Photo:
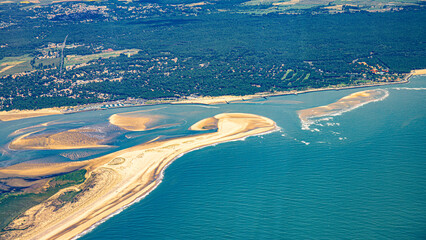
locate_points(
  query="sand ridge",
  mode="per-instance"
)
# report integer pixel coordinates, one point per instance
(118, 179)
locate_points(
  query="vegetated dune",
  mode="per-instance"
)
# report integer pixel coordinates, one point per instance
(118, 179)
(71, 139)
(133, 121)
(21, 114)
(344, 104)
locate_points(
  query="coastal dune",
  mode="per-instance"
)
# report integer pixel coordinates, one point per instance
(116, 180)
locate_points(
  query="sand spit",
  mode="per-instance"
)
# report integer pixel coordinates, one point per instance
(71, 139)
(344, 104)
(21, 114)
(117, 180)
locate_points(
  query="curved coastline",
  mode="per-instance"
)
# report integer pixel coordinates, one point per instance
(22, 114)
(119, 185)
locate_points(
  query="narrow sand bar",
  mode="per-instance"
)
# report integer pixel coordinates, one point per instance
(344, 104)
(117, 180)
(21, 114)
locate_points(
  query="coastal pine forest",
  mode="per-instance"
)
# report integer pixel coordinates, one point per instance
(118, 50)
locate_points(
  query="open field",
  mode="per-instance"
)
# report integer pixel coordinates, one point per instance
(71, 60)
(11, 65)
(332, 6)
(42, 2)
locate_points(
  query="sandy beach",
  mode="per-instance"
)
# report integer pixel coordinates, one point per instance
(117, 180)
(418, 72)
(21, 114)
(121, 119)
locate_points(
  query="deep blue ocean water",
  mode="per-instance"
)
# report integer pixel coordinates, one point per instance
(362, 175)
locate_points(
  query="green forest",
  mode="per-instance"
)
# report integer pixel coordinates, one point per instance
(208, 50)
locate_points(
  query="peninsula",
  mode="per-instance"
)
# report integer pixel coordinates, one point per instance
(116, 180)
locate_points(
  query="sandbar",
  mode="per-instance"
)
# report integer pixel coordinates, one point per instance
(205, 124)
(71, 139)
(133, 122)
(116, 180)
(344, 104)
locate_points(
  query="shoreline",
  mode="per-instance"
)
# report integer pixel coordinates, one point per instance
(115, 186)
(12, 115)
(159, 180)
(346, 104)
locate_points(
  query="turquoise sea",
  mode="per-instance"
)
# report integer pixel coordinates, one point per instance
(359, 175)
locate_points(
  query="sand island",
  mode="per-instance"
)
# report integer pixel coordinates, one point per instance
(116, 180)
(344, 104)
(71, 139)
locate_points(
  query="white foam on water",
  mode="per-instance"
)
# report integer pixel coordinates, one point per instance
(407, 88)
(314, 120)
(160, 179)
(203, 106)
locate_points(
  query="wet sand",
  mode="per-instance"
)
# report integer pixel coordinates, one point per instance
(133, 122)
(71, 139)
(205, 124)
(344, 104)
(117, 180)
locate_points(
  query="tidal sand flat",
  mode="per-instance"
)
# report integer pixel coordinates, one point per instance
(135, 121)
(71, 139)
(344, 104)
(116, 180)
